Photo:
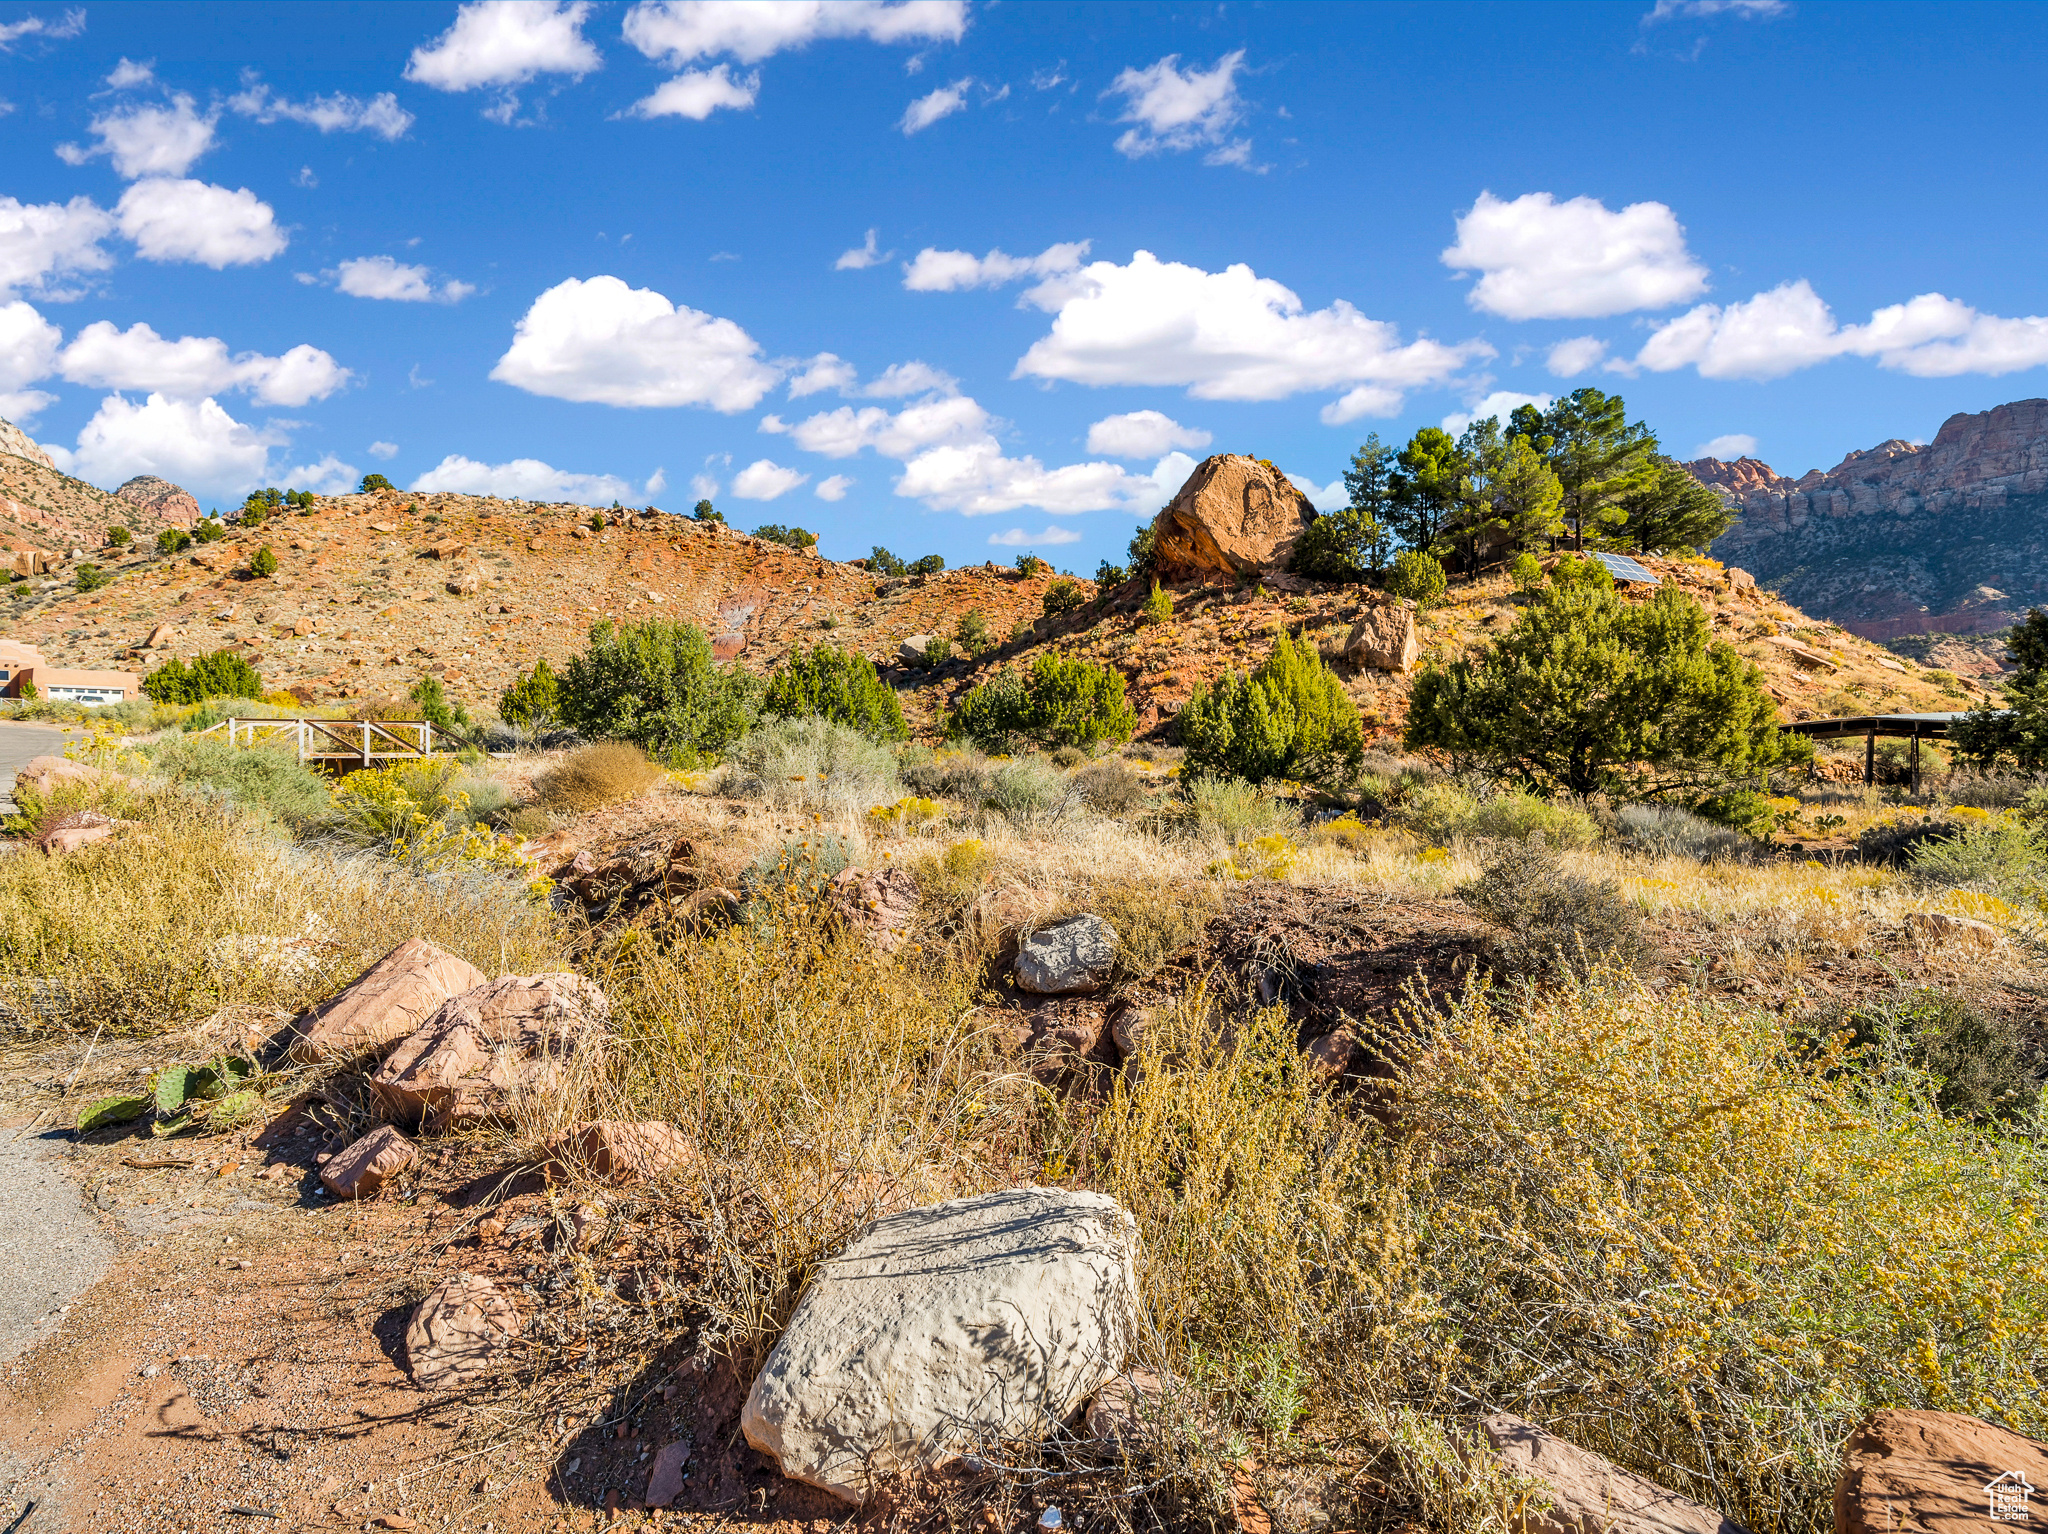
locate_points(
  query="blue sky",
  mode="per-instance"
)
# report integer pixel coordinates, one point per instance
(977, 278)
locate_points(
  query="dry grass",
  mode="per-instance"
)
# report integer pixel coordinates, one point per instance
(595, 776)
(196, 908)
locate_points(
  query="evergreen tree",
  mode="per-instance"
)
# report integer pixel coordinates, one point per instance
(1425, 488)
(656, 684)
(2013, 738)
(223, 674)
(1598, 456)
(1288, 719)
(1510, 495)
(840, 685)
(1670, 512)
(533, 699)
(1062, 701)
(1593, 693)
(1352, 542)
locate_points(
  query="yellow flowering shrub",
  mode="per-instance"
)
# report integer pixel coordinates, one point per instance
(1264, 857)
(905, 814)
(411, 812)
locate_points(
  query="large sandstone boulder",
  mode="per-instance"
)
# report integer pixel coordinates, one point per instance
(46, 774)
(467, 1062)
(1383, 638)
(1592, 1495)
(1234, 516)
(1934, 1472)
(383, 1004)
(458, 1331)
(943, 1328)
(161, 498)
(1068, 958)
(621, 1151)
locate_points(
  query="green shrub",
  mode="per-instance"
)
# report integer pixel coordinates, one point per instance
(90, 578)
(1551, 919)
(1441, 811)
(1108, 575)
(445, 714)
(1159, 605)
(210, 530)
(118, 537)
(1995, 854)
(533, 698)
(789, 537)
(882, 562)
(1062, 596)
(1029, 565)
(223, 674)
(1347, 544)
(373, 482)
(1739, 809)
(1026, 791)
(928, 564)
(255, 513)
(1581, 571)
(1062, 701)
(1230, 809)
(656, 684)
(1288, 719)
(813, 761)
(1592, 693)
(263, 562)
(1972, 1064)
(971, 633)
(1526, 570)
(1143, 551)
(1416, 576)
(938, 649)
(706, 512)
(267, 779)
(173, 540)
(840, 685)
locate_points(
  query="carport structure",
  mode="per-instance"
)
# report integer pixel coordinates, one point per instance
(1913, 727)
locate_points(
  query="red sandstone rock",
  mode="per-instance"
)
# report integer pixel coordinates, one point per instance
(458, 1331)
(467, 1061)
(1930, 1472)
(383, 1004)
(361, 1170)
(1592, 1495)
(622, 1152)
(1234, 516)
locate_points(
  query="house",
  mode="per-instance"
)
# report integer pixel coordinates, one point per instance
(22, 666)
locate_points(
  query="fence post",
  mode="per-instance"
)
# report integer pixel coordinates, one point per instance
(1870, 756)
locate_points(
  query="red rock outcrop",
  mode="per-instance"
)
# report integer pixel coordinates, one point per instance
(163, 500)
(1234, 516)
(1902, 538)
(18, 442)
(1929, 1472)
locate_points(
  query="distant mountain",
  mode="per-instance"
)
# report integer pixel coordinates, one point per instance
(18, 442)
(43, 508)
(1950, 537)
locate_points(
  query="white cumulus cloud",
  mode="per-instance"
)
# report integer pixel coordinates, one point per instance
(1544, 259)
(834, 487)
(862, 256)
(28, 350)
(128, 74)
(1568, 359)
(1736, 444)
(523, 479)
(43, 242)
(844, 432)
(899, 380)
(193, 367)
(382, 277)
(697, 93)
(1323, 497)
(941, 103)
(194, 443)
(1051, 536)
(950, 271)
(503, 44)
(1670, 10)
(1227, 335)
(1178, 109)
(383, 450)
(329, 476)
(602, 342)
(381, 114)
(1142, 434)
(1791, 327)
(822, 372)
(172, 220)
(148, 140)
(1500, 404)
(678, 31)
(764, 480)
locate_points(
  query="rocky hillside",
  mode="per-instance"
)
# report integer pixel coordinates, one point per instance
(1903, 540)
(374, 591)
(43, 508)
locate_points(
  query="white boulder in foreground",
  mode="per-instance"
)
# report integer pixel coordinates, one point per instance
(943, 1328)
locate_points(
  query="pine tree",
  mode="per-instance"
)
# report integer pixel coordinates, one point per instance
(1671, 511)
(840, 685)
(1599, 459)
(1288, 719)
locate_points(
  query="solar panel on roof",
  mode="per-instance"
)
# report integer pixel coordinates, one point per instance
(1622, 568)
